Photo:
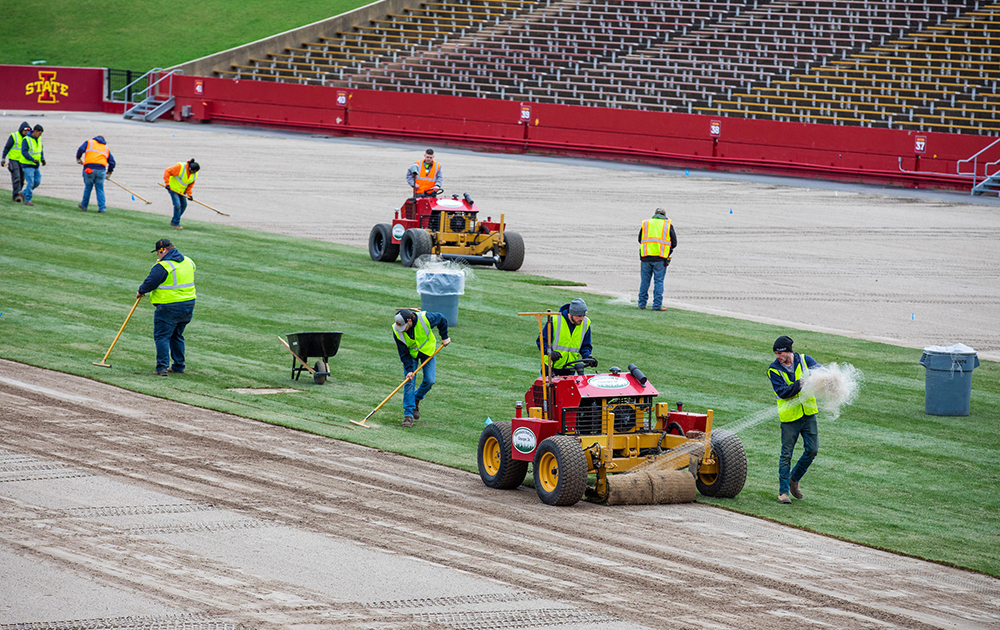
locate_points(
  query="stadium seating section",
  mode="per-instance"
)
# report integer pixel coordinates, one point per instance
(904, 64)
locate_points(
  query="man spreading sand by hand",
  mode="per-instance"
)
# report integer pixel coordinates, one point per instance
(797, 412)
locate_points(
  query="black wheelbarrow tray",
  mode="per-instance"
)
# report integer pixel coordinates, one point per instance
(314, 344)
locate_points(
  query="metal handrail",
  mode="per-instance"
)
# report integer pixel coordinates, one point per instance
(135, 96)
(975, 164)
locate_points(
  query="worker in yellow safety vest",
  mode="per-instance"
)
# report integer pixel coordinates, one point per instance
(179, 180)
(566, 338)
(424, 176)
(32, 161)
(98, 163)
(12, 159)
(170, 285)
(415, 342)
(797, 412)
(657, 241)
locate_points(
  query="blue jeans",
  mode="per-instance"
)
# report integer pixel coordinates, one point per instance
(169, 321)
(790, 432)
(32, 178)
(180, 205)
(656, 270)
(94, 179)
(410, 399)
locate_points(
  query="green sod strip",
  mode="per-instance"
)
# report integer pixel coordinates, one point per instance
(887, 474)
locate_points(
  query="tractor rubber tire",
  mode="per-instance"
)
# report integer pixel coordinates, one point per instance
(728, 450)
(319, 379)
(513, 255)
(414, 244)
(560, 470)
(380, 246)
(497, 468)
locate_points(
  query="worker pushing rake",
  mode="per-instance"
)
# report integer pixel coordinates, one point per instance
(608, 426)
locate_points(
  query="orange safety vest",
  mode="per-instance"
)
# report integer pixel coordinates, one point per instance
(426, 177)
(96, 153)
(655, 238)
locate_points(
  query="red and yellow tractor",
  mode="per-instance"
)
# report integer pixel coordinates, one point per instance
(449, 228)
(604, 435)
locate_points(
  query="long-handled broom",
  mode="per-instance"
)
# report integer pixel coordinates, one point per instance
(362, 423)
(102, 361)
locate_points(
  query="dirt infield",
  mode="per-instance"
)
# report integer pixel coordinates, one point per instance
(913, 269)
(123, 511)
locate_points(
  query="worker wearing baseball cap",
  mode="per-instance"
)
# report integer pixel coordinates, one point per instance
(415, 341)
(570, 341)
(32, 161)
(797, 412)
(170, 285)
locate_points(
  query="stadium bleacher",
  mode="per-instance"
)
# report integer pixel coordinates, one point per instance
(899, 64)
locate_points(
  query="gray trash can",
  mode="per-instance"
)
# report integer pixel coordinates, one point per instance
(439, 291)
(948, 379)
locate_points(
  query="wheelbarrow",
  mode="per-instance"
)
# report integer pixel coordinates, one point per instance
(313, 344)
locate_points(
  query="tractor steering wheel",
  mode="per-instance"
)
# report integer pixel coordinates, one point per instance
(579, 364)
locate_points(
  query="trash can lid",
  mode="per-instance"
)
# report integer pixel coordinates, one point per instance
(958, 348)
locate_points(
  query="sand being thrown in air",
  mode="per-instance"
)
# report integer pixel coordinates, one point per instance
(834, 386)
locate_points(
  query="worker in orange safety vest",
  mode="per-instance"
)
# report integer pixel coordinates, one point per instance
(424, 176)
(98, 163)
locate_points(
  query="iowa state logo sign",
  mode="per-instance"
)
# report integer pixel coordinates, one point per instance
(46, 87)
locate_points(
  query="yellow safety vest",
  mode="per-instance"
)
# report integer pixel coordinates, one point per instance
(15, 151)
(179, 285)
(34, 151)
(426, 177)
(567, 343)
(96, 153)
(180, 182)
(423, 341)
(791, 409)
(655, 238)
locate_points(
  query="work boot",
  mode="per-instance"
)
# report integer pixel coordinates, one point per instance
(783, 498)
(159, 373)
(407, 421)
(416, 410)
(18, 198)
(29, 203)
(80, 206)
(794, 487)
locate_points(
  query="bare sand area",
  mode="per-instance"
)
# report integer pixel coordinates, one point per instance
(909, 268)
(123, 511)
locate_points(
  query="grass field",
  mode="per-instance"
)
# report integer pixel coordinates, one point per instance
(142, 35)
(887, 475)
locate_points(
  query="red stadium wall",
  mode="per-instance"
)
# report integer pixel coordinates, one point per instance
(713, 142)
(52, 88)
(800, 149)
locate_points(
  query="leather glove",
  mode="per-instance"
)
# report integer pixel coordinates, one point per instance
(666, 263)
(3, 162)
(43, 162)
(554, 355)
(796, 387)
(190, 197)
(590, 362)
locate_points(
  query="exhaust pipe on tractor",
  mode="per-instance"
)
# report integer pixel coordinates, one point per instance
(637, 374)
